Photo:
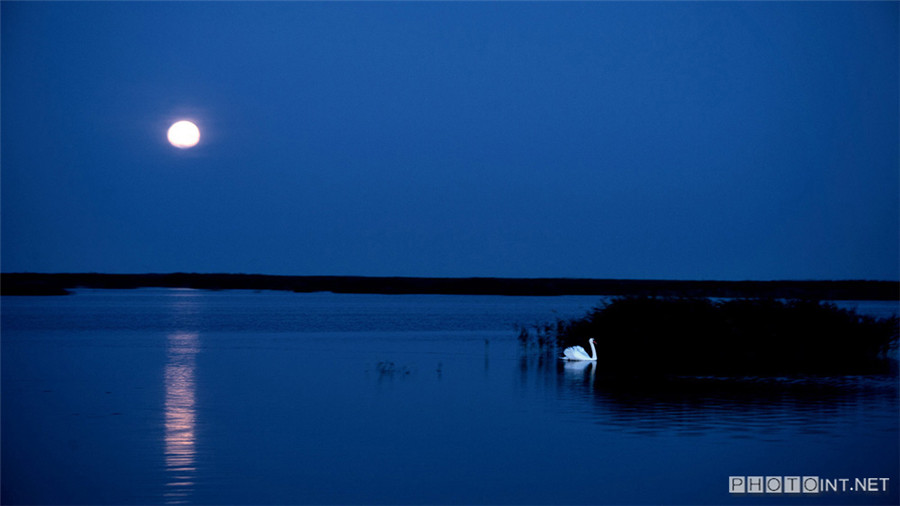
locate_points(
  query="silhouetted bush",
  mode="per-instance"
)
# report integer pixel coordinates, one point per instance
(649, 335)
(539, 337)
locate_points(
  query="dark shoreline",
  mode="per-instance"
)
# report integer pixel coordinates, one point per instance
(60, 284)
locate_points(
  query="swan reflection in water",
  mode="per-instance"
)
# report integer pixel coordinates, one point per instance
(576, 369)
(180, 436)
(580, 376)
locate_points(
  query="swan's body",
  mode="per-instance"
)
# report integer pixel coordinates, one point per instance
(578, 353)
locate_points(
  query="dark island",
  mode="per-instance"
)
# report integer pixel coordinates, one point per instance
(653, 337)
(60, 284)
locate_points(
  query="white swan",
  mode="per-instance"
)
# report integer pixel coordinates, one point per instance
(578, 353)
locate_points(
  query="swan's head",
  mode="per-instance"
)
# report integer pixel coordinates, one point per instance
(591, 340)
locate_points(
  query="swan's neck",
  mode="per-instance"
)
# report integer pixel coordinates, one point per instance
(593, 351)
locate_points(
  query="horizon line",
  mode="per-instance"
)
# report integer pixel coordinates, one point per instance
(460, 277)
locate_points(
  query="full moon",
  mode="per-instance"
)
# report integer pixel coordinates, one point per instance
(184, 134)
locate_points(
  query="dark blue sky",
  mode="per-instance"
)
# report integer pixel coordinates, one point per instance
(638, 140)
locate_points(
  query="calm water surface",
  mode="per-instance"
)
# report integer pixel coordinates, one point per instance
(183, 396)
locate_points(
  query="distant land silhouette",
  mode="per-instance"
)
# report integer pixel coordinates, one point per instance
(61, 284)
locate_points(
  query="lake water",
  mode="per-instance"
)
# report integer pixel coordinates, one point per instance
(182, 396)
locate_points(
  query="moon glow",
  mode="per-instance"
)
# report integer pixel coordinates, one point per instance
(184, 134)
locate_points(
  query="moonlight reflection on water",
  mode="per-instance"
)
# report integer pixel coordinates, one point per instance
(180, 436)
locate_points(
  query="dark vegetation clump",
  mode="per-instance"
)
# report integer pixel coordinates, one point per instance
(540, 337)
(696, 336)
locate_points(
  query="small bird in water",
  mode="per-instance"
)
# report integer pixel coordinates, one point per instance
(578, 353)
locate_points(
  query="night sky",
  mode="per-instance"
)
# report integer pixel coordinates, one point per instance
(613, 140)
